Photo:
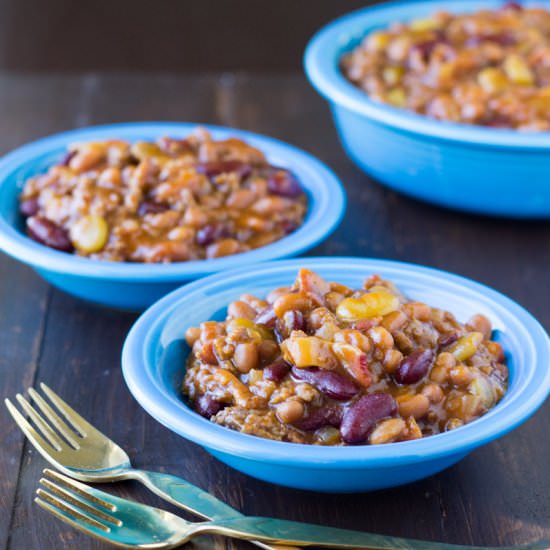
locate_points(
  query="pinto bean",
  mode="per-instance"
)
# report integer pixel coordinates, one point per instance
(331, 383)
(362, 416)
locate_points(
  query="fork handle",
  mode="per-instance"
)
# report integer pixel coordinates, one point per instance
(183, 494)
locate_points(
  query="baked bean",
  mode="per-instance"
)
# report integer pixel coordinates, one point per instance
(225, 247)
(416, 406)
(290, 411)
(381, 337)
(392, 360)
(239, 309)
(394, 321)
(192, 334)
(461, 375)
(295, 302)
(480, 323)
(433, 392)
(387, 431)
(245, 356)
(267, 317)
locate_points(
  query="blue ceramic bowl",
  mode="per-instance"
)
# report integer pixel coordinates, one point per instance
(154, 355)
(477, 169)
(136, 286)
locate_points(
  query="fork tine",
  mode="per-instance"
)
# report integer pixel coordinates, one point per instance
(81, 425)
(54, 418)
(36, 439)
(67, 512)
(78, 488)
(80, 502)
(40, 423)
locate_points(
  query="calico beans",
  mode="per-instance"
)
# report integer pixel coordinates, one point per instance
(166, 201)
(487, 68)
(369, 367)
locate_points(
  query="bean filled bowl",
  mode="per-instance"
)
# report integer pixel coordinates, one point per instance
(445, 108)
(122, 214)
(409, 371)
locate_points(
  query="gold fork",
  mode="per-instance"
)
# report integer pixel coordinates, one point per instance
(79, 450)
(129, 524)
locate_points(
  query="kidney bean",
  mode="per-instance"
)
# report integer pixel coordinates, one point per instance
(291, 320)
(267, 317)
(215, 168)
(330, 415)
(516, 6)
(362, 416)
(502, 39)
(47, 232)
(426, 48)
(208, 406)
(29, 207)
(414, 367)
(211, 233)
(283, 183)
(66, 160)
(289, 226)
(331, 383)
(151, 207)
(447, 340)
(277, 370)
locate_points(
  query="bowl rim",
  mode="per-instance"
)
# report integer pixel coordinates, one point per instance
(325, 48)
(142, 338)
(329, 196)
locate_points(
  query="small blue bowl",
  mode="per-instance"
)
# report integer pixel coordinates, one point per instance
(154, 356)
(136, 286)
(471, 168)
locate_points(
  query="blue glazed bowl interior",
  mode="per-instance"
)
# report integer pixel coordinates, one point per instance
(155, 352)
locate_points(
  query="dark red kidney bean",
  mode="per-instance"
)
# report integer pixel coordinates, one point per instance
(291, 320)
(151, 207)
(215, 168)
(289, 226)
(173, 146)
(266, 317)
(277, 370)
(208, 406)
(329, 415)
(331, 383)
(426, 48)
(29, 207)
(211, 233)
(447, 340)
(414, 367)
(512, 6)
(502, 39)
(66, 160)
(47, 232)
(362, 416)
(283, 183)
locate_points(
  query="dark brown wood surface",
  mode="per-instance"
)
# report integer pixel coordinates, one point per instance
(498, 495)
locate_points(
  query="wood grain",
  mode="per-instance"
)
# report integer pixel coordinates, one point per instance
(497, 495)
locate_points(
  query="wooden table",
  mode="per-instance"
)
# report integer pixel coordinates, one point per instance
(498, 495)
